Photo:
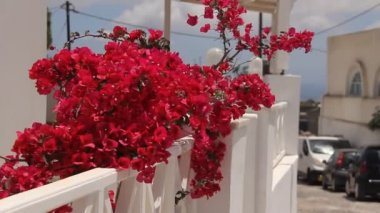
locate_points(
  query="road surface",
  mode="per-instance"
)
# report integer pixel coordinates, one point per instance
(312, 199)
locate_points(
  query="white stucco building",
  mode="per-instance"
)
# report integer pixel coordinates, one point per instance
(353, 89)
(22, 42)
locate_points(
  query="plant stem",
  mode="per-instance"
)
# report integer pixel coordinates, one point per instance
(12, 160)
(74, 38)
(4, 158)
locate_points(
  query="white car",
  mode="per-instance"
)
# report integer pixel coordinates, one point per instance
(313, 151)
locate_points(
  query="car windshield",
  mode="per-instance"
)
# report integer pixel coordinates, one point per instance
(327, 146)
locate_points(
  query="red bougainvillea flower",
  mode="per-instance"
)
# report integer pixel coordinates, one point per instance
(155, 35)
(209, 13)
(229, 21)
(135, 34)
(62, 209)
(205, 28)
(192, 20)
(118, 31)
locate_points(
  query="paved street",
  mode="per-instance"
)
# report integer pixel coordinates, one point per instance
(312, 199)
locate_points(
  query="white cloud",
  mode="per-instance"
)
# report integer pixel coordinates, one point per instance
(307, 14)
(311, 14)
(320, 14)
(151, 13)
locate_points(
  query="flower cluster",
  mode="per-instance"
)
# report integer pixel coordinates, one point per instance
(124, 108)
(230, 23)
(374, 123)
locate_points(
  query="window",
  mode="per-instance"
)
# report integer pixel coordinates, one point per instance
(355, 88)
(328, 146)
(377, 89)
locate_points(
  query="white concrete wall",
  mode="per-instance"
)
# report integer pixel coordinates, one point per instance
(238, 185)
(22, 41)
(350, 109)
(284, 186)
(282, 181)
(357, 134)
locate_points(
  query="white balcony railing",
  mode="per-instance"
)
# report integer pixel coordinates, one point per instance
(255, 146)
(88, 191)
(259, 170)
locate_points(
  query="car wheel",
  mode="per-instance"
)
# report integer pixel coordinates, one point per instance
(309, 177)
(334, 187)
(359, 192)
(324, 183)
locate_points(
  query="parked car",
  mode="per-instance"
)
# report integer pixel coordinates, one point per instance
(364, 173)
(313, 150)
(336, 169)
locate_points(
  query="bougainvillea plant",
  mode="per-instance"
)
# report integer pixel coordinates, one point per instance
(374, 123)
(125, 107)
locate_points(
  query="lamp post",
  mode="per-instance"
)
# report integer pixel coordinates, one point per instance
(167, 19)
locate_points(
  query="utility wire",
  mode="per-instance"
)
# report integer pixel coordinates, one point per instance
(349, 19)
(145, 27)
(54, 9)
(137, 26)
(319, 50)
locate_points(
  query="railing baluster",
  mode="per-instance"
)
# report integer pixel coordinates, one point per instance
(85, 204)
(107, 202)
(185, 174)
(99, 205)
(171, 184)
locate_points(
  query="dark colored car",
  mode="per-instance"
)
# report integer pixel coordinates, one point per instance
(364, 173)
(336, 170)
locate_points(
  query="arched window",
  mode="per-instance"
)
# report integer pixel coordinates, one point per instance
(356, 87)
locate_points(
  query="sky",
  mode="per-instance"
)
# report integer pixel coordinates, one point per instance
(314, 15)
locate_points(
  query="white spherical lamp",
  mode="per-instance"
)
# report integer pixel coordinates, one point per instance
(256, 66)
(214, 55)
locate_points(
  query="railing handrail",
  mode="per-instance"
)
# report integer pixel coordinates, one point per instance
(279, 105)
(66, 190)
(69, 189)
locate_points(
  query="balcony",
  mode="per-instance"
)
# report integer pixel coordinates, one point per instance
(255, 164)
